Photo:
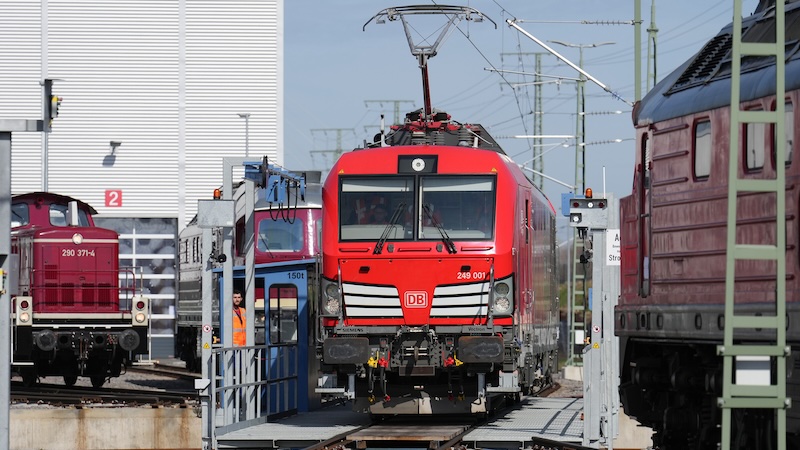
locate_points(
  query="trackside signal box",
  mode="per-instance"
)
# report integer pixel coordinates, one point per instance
(588, 213)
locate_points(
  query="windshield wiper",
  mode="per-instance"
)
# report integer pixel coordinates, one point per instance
(264, 240)
(16, 215)
(451, 247)
(385, 235)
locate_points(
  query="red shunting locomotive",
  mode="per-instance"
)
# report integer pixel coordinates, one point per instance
(76, 311)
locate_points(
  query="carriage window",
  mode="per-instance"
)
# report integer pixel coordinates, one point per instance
(372, 206)
(282, 314)
(58, 216)
(19, 215)
(702, 149)
(755, 133)
(462, 205)
(280, 235)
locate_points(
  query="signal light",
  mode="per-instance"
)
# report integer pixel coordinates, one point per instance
(55, 102)
(139, 311)
(24, 313)
(588, 193)
(217, 194)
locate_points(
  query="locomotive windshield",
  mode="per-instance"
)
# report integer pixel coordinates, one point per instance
(19, 215)
(417, 208)
(59, 217)
(281, 235)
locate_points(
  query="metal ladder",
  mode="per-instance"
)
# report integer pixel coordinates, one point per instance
(771, 356)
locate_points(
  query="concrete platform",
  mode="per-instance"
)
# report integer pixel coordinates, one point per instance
(300, 431)
(557, 419)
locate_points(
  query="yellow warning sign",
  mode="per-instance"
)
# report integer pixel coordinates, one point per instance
(206, 346)
(596, 345)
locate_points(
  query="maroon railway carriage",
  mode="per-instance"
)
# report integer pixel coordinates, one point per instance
(76, 312)
(282, 233)
(438, 287)
(674, 228)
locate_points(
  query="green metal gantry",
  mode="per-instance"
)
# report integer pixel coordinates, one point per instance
(771, 355)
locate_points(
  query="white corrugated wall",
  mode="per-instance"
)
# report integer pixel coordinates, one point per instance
(166, 78)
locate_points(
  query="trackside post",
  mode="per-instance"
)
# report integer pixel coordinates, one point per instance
(597, 220)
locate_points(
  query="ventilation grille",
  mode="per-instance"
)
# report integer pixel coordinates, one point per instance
(705, 64)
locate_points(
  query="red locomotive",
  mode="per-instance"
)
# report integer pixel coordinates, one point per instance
(438, 287)
(76, 312)
(670, 317)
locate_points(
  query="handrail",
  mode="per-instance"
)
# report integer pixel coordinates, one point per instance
(253, 384)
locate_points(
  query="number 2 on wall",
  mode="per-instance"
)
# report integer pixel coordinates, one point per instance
(114, 198)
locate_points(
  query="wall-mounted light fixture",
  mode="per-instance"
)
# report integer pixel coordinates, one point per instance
(111, 158)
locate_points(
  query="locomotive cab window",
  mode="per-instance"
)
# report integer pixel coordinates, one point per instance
(370, 207)
(59, 218)
(755, 135)
(19, 215)
(462, 205)
(280, 235)
(459, 207)
(702, 149)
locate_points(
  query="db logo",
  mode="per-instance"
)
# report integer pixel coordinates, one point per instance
(416, 299)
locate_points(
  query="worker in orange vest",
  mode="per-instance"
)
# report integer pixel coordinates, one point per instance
(239, 320)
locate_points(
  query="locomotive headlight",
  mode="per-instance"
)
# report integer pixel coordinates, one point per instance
(331, 303)
(502, 305)
(332, 291)
(502, 289)
(24, 317)
(331, 306)
(140, 317)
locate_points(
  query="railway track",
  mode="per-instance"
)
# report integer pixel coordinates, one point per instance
(408, 432)
(79, 396)
(431, 432)
(168, 370)
(156, 385)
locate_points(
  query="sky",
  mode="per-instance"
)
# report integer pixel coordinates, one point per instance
(335, 74)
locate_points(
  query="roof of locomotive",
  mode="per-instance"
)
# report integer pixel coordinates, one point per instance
(51, 198)
(704, 82)
(439, 130)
